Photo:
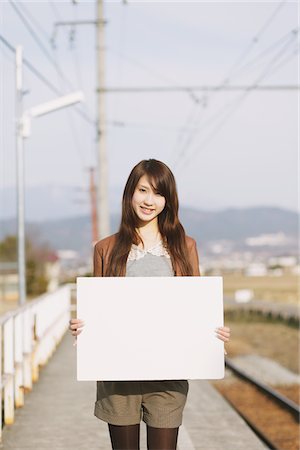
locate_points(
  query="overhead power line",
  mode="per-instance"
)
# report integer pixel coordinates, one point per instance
(254, 41)
(45, 80)
(232, 106)
(150, 71)
(205, 88)
(183, 157)
(234, 68)
(266, 51)
(36, 38)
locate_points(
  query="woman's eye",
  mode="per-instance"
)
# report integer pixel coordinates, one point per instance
(142, 190)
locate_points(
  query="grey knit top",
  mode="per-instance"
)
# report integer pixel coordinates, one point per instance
(153, 262)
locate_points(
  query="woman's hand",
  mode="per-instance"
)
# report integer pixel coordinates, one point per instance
(75, 326)
(223, 333)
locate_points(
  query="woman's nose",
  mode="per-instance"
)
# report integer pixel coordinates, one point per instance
(149, 198)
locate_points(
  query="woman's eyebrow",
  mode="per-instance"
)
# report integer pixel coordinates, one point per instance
(147, 187)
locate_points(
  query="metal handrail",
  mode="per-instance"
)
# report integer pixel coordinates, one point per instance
(29, 336)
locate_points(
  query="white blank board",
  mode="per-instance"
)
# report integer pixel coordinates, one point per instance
(149, 328)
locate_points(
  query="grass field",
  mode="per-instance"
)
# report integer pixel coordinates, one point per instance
(282, 289)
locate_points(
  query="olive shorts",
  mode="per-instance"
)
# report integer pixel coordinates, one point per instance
(158, 403)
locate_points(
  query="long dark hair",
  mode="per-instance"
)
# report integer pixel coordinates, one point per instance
(161, 179)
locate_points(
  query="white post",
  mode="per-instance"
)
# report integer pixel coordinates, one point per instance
(27, 349)
(8, 363)
(20, 179)
(102, 175)
(18, 360)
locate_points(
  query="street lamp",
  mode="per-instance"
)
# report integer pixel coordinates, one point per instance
(46, 108)
(24, 131)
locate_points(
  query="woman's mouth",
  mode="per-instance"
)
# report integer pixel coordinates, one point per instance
(147, 211)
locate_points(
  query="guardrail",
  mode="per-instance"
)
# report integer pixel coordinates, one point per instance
(276, 310)
(29, 336)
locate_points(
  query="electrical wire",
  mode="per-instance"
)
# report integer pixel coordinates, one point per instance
(237, 103)
(54, 9)
(227, 106)
(233, 105)
(152, 72)
(72, 36)
(189, 139)
(73, 129)
(220, 113)
(121, 43)
(166, 128)
(30, 29)
(45, 80)
(253, 62)
(36, 38)
(254, 41)
(294, 53)
(77, 71)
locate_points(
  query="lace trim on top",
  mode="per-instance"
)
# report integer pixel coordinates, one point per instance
(137, 253)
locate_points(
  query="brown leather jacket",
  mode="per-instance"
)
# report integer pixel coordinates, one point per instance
(103, 248)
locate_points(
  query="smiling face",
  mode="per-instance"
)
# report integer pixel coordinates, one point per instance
(146, 201)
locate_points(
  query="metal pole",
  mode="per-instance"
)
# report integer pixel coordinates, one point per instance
(93, 207)
(20, 179)
(102, 177)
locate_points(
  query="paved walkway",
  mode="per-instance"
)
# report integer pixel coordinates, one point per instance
(58, 415)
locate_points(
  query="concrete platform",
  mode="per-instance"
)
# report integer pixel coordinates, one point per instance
(282, 310)
(266, 370)
(58, 414)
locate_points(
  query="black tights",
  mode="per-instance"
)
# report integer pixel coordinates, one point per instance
(128, 437)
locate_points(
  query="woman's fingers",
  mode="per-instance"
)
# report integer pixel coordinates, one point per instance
(223, 333)
(76, 321)
(75, 326)
(76, 332)
(224, 329)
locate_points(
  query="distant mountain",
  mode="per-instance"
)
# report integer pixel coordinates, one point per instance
(205, 226)
(46, 202)
(235, 224)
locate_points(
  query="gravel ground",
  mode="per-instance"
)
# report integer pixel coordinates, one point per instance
(279, 425)
(270, 351)
(276, 341)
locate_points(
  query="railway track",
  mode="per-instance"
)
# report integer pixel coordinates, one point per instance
(273, 417)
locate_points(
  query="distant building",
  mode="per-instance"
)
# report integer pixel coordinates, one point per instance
(52, 271)
(283, 261)
(275, 239)
(256, 270)
(243, 295)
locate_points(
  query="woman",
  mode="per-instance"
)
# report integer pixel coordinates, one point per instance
(151, 242)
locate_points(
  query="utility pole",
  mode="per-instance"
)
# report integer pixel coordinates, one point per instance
(20, 177)
(102, 175)
(103, 228)
(93, 197)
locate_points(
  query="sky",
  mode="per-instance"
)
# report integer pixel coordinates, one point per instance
(226, 149)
